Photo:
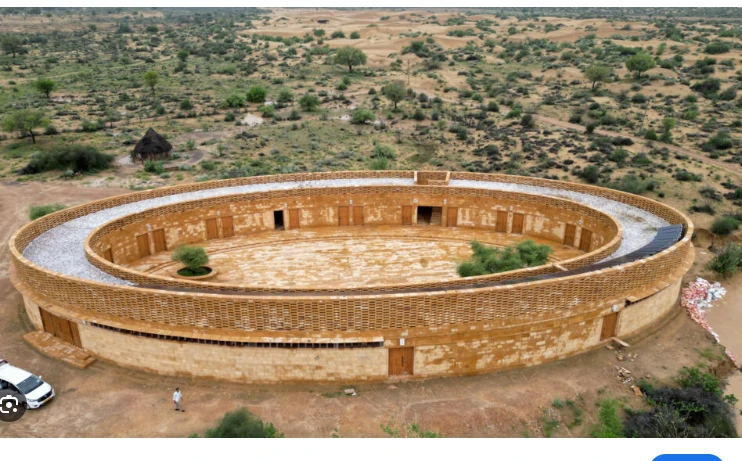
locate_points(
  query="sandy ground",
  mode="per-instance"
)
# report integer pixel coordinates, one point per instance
(108, 401)
(725, 318)
(347, 256)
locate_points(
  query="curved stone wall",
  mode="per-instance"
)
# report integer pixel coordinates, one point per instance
(304, 336)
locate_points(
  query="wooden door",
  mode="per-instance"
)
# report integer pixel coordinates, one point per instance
(502, 221)
(62, 329)
(159, 237)
(608, 330)
(143, 242)
(212, 232)
(517, 223)
(108, 255)
(452, 216)
(586, 240)
(343, 216)
(227, 227)
(357, 215)
(75, 334)
(406, 215)
(401, 360)
(294, 218)
(47, 321)
(569, 235)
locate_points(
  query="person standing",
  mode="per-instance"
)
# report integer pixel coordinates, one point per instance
(177, 398)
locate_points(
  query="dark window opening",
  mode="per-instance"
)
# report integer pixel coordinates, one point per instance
(278, 219)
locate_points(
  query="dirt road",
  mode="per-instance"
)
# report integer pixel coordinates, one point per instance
(108, 401)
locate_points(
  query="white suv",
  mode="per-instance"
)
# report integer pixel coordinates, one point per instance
(36, 391)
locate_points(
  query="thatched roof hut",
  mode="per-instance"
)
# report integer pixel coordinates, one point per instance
(152, 146)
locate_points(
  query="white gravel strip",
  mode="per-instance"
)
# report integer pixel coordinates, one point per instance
(639, 226)
(61, 249)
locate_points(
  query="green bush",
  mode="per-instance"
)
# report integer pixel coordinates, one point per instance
(355, 35)
(610, 426)
(718, 47)
(256, 94)
(384, 151)
(309, 102)
(240, 424)
(728, 261)
(75, 157)
(361, 115)
(724, 225)
(380, 163)
(153, 166)
(285, 95)
(591, 174)
(192, 257)
(268, 110)
(234, 100)
(698, 408)
(492, 260)
(37, 211)
(685, 175)
(631, 184)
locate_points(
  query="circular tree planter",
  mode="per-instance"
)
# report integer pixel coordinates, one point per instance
(207, 276)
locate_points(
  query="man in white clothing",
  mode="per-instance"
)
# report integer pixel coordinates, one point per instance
(177, 397)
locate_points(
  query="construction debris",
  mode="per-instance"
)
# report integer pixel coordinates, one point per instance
(619, 342)
(697, 298)
(623, 375)
(350, 391)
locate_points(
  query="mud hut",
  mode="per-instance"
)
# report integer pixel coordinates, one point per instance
(152, 146)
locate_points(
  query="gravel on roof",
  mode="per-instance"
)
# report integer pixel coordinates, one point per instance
(61, 249)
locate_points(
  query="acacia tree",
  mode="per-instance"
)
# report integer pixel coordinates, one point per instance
(46, 86)
(151, 78)
(395, 92)
(349, 56)
(12, 45)
(597, 74)
(640, 62)
(25, 121)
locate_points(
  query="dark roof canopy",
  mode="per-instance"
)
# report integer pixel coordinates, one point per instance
(152, 144)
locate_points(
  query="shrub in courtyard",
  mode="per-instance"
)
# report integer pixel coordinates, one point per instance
(492, 260)
(193, 258)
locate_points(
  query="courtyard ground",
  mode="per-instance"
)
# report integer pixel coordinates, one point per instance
(105, 400)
